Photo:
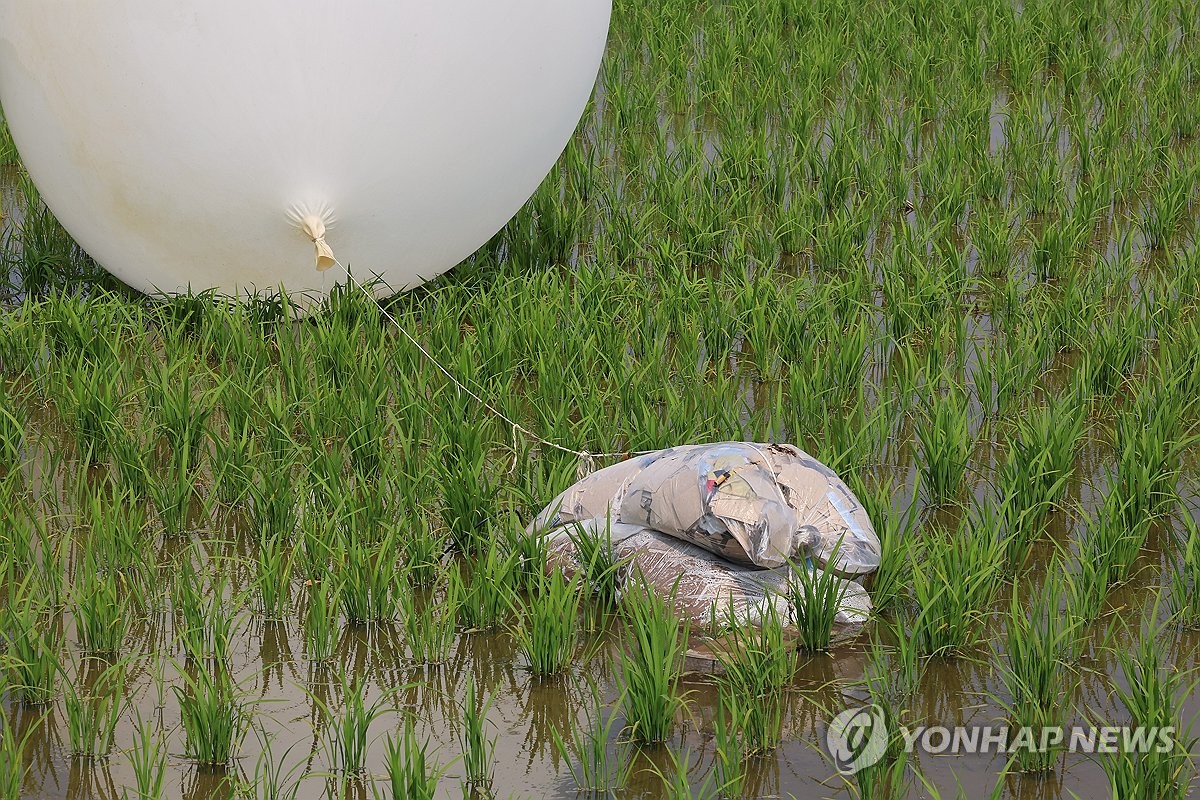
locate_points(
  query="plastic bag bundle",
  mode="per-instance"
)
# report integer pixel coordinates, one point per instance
(754, 505)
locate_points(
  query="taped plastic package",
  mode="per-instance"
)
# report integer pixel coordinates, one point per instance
(754, 505)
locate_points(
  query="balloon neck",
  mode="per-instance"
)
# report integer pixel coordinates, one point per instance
(314, 227)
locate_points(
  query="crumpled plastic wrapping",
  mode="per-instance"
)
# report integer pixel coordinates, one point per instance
(709, 588)
(755, 505)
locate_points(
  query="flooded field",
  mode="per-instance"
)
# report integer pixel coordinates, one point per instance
(951, 253)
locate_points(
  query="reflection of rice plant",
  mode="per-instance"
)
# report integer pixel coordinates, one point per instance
(651, 661)
(586, 749)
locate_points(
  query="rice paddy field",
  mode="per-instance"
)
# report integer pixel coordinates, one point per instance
(949, 248)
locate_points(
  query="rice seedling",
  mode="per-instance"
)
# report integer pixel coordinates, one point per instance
(269, 781)
(412, 773)
(148, 763)
(487, 597)
(954, 579)
(758, 663)
(585, 748)
(274, 576)
(1036, 674)
(93, 710)
(895, 528)
(945, 442)
(12, 431)
(478, 750)
(816, 596)
(729, 764)
(1164, 767)
(88, 397)
(1185, 576)
(371, 579)
(651, 662)
(102, 615)
(214, 717)
(349, 735)
(677, 785)
(13, 765)
(430, 627)
(321, 621)
(34, 644)
(602, 570)
(547, 627)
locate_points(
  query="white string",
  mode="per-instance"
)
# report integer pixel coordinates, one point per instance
(586, 459)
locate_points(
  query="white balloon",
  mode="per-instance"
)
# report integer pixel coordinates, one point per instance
(205, 144)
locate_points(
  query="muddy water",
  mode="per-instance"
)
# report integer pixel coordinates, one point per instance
(286, 694)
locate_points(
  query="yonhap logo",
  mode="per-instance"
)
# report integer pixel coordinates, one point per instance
(857, 738)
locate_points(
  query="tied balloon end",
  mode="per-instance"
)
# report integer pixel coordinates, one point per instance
(314, 227)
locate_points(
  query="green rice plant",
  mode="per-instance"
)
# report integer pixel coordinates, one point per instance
(729, 764)
(758, 662)
(678, 785)
(184, 412)
(322, 630)
(1165, 769)
(487, 597)
(1111, 353)
(102, 615)
(1036, 674)
(13, 765)
(1150, 449)
(148, 762)
(233, 457)
(173, 492)
(273, 578)
(274, 498)
(88, 400)
(531, 550)
(371, 578)
(349, 734)
(1185, 575)
(894, 527)
(547, 627)
(131, 448)
(34, 644)
(12, 431)
(478, 750)
(651, 661)
(269, 781)
(430, 627)
(955, 578)
(602, 570)
(944, 444)
(214, 718)
(585, 748)
(424, 550)
(92, 714)
(816, 595)
(412, 774)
